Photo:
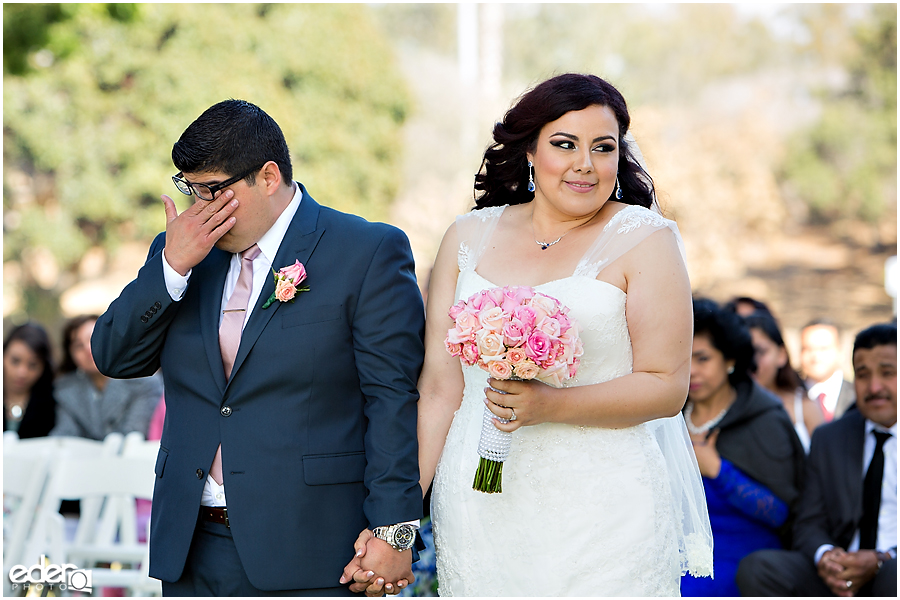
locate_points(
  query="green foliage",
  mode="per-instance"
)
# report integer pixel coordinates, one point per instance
(845, 165)
(98, 123)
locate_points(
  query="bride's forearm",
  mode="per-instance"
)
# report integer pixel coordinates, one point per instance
(436, 412)
(622, 402)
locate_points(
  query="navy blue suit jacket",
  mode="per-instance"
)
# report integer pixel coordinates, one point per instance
(320, 438)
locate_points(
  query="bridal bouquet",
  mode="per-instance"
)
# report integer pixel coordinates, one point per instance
(516, 333)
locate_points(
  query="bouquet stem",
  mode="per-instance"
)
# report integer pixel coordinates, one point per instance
(488, 477)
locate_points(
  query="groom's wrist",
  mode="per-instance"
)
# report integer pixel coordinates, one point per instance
(401, 536)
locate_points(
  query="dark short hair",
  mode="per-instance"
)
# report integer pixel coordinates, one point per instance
(882, 334)
(729, 335)
(503, 177)
(232, 136)
(787, 377)
(35, 337)
(72, 325)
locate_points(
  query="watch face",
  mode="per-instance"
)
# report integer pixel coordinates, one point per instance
(404, 536)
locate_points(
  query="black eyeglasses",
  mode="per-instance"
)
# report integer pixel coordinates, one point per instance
(207, 192)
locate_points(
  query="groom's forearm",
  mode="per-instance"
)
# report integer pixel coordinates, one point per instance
(388, 326)
(129, 336)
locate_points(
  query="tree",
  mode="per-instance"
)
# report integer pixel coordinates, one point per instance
(89, 127)
(845, 164)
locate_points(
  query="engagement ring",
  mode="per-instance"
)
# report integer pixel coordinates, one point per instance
(849, 584)
(513, 418)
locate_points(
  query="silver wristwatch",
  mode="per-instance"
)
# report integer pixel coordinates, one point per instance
(401, 536)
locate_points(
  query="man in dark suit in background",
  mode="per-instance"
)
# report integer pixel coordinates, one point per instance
(845, 536)
(300, 405)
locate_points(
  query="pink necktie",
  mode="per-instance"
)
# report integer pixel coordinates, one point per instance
(820, 399)
(231, 328)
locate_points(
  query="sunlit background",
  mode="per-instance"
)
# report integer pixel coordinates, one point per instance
(770, 130)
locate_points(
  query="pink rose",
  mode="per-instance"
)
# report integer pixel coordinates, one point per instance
(555, 375)
(492, 319)
(514, 333)
(466, 325)
(496, 296)
(525, 314)
(549, 325)
(456, 309)
(489, 343)
(470, 353)
(526, 370)
(515, 296)
(500, 369)
(285, 290)
(515, 355)
(453, 349)
(537, 347)
(544, 306)
(294, 273)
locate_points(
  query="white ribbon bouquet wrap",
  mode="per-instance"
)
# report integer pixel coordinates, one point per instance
(515, 333)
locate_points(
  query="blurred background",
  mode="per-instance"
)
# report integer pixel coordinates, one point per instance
(770, 130)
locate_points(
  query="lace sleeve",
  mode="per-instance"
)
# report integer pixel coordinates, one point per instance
(627, 228)
(749, 496)
(474, 229)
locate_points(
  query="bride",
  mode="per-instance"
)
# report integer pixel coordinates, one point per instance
(601, 494)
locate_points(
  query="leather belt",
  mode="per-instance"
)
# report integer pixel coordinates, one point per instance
(215, 514)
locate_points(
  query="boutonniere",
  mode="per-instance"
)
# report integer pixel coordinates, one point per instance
(287, 283)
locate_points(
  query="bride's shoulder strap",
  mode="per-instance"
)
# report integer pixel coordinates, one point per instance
(627, 228)
(474, 229)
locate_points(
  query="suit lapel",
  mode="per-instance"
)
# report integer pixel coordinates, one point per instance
(212, 277)
(854, 471)
(299, 242)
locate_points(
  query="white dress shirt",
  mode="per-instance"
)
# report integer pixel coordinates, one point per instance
(213, 493)
(831, 387)
(887, 513)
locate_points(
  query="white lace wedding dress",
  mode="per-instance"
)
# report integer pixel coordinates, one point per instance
(584, 511)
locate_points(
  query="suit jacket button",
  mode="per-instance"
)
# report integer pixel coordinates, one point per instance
(199, 473)
(157, 306)
(226, 411)
(153, 310)
(144, 318)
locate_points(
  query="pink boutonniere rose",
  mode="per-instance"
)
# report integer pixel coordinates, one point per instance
(287, 283)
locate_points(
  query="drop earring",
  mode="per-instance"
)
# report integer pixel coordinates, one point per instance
(619, 193)
(530, 176)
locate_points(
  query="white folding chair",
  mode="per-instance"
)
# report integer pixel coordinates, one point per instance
(111, 536)
(24, 477)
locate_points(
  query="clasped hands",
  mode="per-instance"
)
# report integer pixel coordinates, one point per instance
(838, 568)
(377, 567)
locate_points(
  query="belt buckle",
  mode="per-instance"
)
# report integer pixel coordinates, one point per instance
(225, 512)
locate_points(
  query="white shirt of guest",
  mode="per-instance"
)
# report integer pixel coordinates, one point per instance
(213, 493)
(831, 387)
(887, 513)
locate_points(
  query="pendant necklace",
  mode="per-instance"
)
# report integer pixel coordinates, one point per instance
(702, 429)
(545, 245)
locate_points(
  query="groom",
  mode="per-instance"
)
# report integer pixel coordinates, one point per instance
(290, 427)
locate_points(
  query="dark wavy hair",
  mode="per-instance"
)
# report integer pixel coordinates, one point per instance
(729, 335)
(72, 325)
(787, 378)
(233, 137)
(882, 334)
(503, 177)
(35, 337)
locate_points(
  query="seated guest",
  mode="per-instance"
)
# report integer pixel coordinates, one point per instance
(91, 405)
(748, 452)
(28, 404)
(845, 537)
(775, 373)
(820, 363)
